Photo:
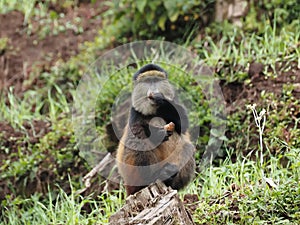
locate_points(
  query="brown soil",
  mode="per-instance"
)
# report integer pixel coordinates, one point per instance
(27, 52)
(232, 196)
(237, 95)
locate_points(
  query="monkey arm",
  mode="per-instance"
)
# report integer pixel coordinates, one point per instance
(171, 111)
(140, 128)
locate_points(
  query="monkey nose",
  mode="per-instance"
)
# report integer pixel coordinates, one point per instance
(150, 95)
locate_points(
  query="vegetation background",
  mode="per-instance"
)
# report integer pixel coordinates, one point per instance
(253, 48)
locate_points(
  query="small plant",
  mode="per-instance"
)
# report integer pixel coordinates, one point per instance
(260, 122)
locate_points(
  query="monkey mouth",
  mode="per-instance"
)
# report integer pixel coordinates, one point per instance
(156, 98)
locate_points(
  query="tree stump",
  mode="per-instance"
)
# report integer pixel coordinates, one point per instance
(153, 205)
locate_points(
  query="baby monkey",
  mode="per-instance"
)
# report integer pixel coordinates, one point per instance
(155, 143)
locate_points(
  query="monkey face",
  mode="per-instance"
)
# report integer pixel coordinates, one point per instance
(148, 93)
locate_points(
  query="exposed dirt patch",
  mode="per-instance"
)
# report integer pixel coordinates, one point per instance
(12, 139)
(33, 131)
(8, 137)
(237, 95)
(229, 199)
(191, 201)
(25, 53)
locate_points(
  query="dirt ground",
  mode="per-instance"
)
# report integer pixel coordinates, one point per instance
(28, 52)
(237, 94)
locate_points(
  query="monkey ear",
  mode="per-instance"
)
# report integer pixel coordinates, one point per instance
(149, 67)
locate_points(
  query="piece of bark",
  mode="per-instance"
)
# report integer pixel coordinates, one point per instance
(153, 205)
(105, 168)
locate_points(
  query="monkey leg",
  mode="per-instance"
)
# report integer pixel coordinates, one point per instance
(185, 167)
(130, 190)
(167, 173)
(183, 177)
(137, 170)
(132, 181)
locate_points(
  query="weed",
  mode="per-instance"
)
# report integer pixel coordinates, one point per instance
(233, 193)
(260, 122)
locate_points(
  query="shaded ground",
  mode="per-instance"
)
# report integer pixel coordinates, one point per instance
(11, 141)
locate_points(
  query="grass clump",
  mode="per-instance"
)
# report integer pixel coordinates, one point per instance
(62, 208)
(236, 193)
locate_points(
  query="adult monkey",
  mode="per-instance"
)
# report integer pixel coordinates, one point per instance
(155, 143)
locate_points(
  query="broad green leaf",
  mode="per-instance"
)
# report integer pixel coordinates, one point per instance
(154, 4)
(172, 10)
(150, 17)
(162, 22)
(174, 16)
(170, 5)
(140, 4)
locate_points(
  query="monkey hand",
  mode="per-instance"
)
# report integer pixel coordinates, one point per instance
(168, 128)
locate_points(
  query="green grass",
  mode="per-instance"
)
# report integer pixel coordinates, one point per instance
(237, 193)
(236, 48)
(61, 209)
(229, 193)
